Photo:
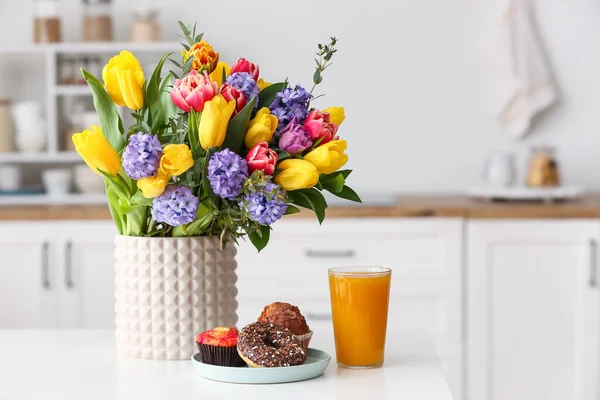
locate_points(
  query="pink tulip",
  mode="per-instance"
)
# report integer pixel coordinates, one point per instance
(231, 93)
(243, 65)
(193, 91)
(318, 124)
(262, 158)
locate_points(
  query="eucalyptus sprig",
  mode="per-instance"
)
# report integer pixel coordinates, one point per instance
(326, 51)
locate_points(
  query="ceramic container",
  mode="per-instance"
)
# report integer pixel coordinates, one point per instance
(499, 170)
(170, 289)
(57, 182)
(87, 181)
(10, 177)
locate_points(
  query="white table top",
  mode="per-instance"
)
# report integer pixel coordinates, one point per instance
(53, 364)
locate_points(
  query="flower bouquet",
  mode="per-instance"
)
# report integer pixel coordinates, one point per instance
(215, 150)
(215, 153)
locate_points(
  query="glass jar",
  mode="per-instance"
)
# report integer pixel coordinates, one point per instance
(97, 21)
(543, 168)
(6, 127)
(145, 27)
(46, 24)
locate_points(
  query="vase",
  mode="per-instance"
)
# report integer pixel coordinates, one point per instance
(170, 289)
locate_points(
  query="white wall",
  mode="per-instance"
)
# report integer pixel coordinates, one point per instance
(410, 74)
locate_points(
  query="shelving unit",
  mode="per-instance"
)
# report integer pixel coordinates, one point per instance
(55, 93)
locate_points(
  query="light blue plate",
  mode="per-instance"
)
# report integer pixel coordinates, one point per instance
(315, 365)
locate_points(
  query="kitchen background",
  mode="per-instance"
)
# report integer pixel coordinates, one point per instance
(508, 291)
(430, 129)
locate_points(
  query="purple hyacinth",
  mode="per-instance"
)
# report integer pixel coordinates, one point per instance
(267, 205)
(294, 138)
(226, 173)
(245, 83)
(176, 206)
(288, 104)
(141, 157)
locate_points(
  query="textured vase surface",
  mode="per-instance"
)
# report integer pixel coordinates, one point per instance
(170, 289)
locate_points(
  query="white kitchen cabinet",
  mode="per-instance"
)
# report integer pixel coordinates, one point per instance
(57, 274)
(27, 276)
(533, 310)
(87, 275)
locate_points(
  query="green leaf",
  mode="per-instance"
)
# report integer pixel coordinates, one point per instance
(110, 121)
(333, 184)
(234, 138)
(282, 154)
(139, 199)
(214, 199)
(345, 172)
(260, 239)
(120, 187)
(317, 77)
(312, 199)
(184, 28)
(267, 95)
(153, 90)
(348, 194)
(292, 210)
(224, 77)
(113, 204)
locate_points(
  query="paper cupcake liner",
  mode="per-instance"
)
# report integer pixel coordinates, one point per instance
(305, 339)
(220, 355)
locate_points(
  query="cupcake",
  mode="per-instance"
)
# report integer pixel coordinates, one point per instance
(288, 316)
(218, 347)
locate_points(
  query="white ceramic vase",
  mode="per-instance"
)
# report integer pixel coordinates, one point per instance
(170, 289)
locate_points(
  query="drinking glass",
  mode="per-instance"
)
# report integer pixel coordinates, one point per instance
(359, 306)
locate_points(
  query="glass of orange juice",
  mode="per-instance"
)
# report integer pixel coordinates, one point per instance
(359, 306)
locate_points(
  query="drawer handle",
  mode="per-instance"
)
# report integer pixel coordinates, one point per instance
(45, 266)
(330, 253)
(69, 265)
(319, 316)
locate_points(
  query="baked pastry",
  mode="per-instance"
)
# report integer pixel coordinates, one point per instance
(289, 317)
(218, 347)
(262, 344)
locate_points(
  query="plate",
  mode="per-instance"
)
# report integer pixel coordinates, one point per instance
(314, 366)
(525, 193)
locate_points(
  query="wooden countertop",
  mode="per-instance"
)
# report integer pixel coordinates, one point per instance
(407, 206)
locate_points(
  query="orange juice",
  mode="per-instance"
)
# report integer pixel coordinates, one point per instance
(359, 306)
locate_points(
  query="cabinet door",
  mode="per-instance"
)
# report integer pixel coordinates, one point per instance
(28, 291)
(532, 310)
(87, 275)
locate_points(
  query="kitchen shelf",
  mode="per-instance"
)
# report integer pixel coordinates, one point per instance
(73, 90)
(40, 158)
(73, 199)
(91, 47)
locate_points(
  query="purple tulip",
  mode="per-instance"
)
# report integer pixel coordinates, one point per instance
(294, 138)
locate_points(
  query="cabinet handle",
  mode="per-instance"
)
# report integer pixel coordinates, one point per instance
(593, 281)
(69, 265)
(45, 266)
(330, 253)
(319, 316)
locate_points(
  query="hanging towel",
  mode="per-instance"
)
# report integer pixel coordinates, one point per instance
(522, 80)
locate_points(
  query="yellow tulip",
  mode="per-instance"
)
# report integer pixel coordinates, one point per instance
(95, 150)
(262, 84)
(296, 174)
(214, 121)
(123, 79)
(260, 128)
(217, 74)
(152, 187)
(328, 157)
(176, 159)
(336, 114)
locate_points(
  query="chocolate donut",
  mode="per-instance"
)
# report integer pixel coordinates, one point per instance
(261, 344)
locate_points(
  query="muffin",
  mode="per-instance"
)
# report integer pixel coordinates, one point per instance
(219, 347)
(288, 316)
